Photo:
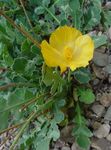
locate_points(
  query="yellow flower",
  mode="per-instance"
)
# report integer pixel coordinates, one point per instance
(67, 47)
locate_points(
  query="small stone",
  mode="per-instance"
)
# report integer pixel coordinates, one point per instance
(75, 147)
(107, 69)
(98, 96)
(105, 99)
(66, 134)
(99, 72)
(95, 82)
(101, 49)
(109, 33)
(96, 125)
(109, 79)
(108, 114)
(100, 144)
(108, 5)
(109, 137)
(100, 59)
(59, 143)
(98, 109)
(103, 131)
(65, 148)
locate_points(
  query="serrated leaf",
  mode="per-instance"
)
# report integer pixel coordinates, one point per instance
(16, 99)
(47, 75)
(106, 18)
(86, 95)
(93, 15)
(99, 40)
(83, 141)
(59, 116)
(82, 75)
(19, 65)
(81, 130)
(4, 117)
(76, 13)
(39, 10)
(43, 145)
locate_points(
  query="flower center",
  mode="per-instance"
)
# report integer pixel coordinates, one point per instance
(68, 53)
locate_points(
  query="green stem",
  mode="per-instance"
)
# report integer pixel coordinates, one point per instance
(26, 103)
(42, 108)
(28, 20)
(78, 110)
(69, 75)
(22, 130)
(52, 15)
(22, 30)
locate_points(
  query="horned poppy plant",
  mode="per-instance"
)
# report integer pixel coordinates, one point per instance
(67, 48)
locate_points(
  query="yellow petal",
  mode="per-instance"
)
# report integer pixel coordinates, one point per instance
(52, 57)
(64, 36)
(83, 52)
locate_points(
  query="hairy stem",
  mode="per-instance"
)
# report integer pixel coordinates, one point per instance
(6, 87)
(25, 33)
(22, 130)
(28, 20)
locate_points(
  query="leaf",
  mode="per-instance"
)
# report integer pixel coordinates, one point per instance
(39, 10)
(59, 116)
(43, 145)
(26, 49)
(83, 141)
(4, 117)
(99, 40)
(19, 65)
(75, 12)
(47, 75)
(93, 15)
(16, 99)
(81, 130)
(85, 95)
(54, 132)
(106, 18)
(8, 59)
(45, 2)
(82, 75)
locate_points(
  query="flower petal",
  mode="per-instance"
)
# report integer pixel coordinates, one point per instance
(83, 52)
(52, 57)
(63, 36)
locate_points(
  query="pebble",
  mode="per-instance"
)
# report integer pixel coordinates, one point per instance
(102, 131)
(75, 147)
(109, 137)
(65, 148)
(96, 125)
(109, 33)
(101, 144)
(100, 59)
(108, 5)
(99, 72)
(101, 49)
(108, 114)
(59, 143)
(95, 82)
(105, 99)
(66, 134)
(109, 79)
(98, 109)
